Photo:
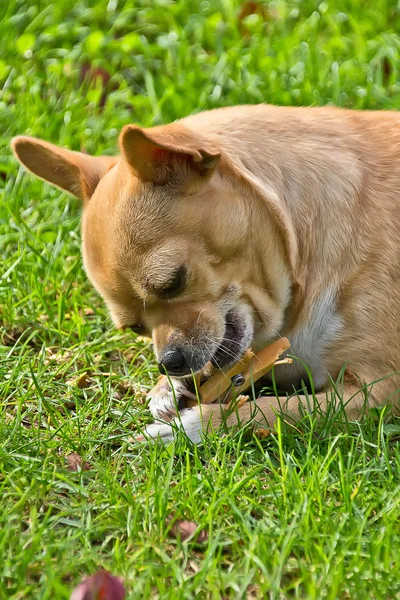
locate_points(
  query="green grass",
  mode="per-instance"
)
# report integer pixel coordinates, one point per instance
(312, 513)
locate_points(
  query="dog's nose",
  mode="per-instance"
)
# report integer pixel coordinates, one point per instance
(174, 362)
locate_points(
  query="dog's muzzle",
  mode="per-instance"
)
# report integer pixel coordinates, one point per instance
(179, 360)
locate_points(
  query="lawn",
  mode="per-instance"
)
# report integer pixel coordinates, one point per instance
(311, 512)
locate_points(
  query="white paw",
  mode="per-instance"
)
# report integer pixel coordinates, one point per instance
(163, 400)
(188, 420)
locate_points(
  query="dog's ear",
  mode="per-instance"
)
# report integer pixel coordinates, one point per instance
(73, 172)
(168, 152)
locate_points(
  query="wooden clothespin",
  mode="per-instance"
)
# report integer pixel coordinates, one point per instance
(225, 384)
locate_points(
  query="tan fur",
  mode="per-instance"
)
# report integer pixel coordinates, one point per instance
(290, 215)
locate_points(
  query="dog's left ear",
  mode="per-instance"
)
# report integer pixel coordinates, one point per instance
(74, 172)
(168, 152)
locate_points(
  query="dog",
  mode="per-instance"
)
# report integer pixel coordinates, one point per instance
(232, 227)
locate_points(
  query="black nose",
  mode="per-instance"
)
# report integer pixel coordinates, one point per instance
(174, 362)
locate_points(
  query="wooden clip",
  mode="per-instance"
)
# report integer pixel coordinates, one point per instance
(251, 367)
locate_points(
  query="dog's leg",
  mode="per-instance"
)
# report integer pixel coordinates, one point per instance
(262, 413)
(164, 400)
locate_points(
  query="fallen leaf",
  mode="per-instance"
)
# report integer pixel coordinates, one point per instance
(58, 356)
(100, 586)
(75, 463)
(236, 403)
(387, 70)
(88, 312)
(253, 592)
(81, 382)
(91, 73)
(262, 433)
(128, 386)
(251, 8)
(192, 567)
(183, 530)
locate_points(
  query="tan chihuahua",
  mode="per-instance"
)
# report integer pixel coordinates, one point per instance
(233, 227)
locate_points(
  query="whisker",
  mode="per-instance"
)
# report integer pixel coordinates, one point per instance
(217, 339)
(226, 351)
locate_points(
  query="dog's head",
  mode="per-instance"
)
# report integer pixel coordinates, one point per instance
(173, 244)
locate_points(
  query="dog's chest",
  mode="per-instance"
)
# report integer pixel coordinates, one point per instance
(310, 343)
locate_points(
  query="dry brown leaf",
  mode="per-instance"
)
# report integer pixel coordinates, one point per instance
(262, 433)
(91, 73)
(252, 8)
(81, 382)
(58, 356)
(183, 530)
(253, 592)
(88, 312)
(100, 586)
(236, 403)
(75, 463)
(387, 70)
(192, 567)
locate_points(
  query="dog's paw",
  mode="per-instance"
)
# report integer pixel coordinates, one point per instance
(200, 419)
(189, 420)
(163, 400)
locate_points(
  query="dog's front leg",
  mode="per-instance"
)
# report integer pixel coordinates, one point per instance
(261, 413)
(264, 412)
(164, 399)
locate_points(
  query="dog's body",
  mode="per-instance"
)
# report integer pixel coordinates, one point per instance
(232, 227)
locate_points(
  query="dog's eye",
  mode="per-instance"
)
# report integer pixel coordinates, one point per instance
(175, 286)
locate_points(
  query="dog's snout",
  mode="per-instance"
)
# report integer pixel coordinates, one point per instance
(173, 362)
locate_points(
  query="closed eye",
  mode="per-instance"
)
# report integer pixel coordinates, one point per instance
(175, 286)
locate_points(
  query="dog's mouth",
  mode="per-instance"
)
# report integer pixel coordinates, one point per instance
(237, 338)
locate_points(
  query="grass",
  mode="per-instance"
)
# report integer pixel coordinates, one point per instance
(307, 513)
